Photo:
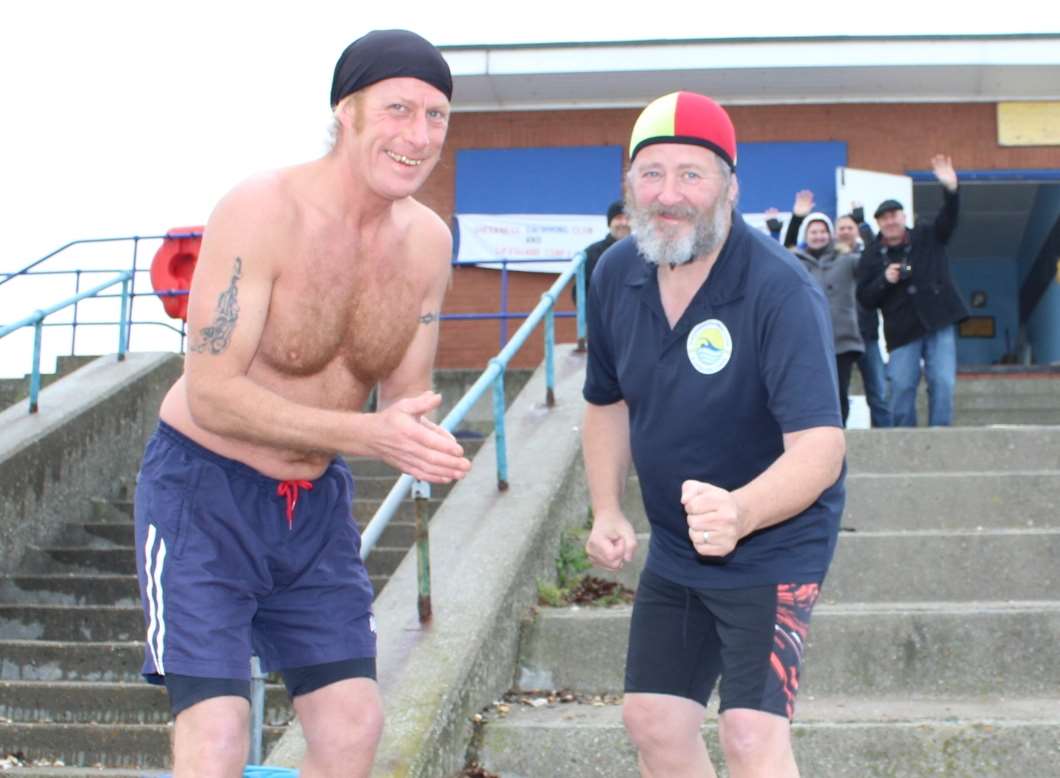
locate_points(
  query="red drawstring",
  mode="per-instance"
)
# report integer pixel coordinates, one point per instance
(289, 489)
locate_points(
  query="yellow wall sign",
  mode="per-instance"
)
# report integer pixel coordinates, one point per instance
(1028, 124)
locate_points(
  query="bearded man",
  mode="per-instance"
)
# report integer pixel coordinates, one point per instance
(711, 369)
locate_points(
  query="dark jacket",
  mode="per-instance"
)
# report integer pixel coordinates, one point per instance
(927, 299)
(868, 324)
(592, 256)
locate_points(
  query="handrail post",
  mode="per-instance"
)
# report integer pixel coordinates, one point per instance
(499, 437)
(257, 710)
(580, 301)
(132, 296)
(123, 334)
(504, 303)
(34, 376)
(421, 494)
(550, 342)
(73, 326)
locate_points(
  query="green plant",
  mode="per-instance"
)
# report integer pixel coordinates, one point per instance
(573, 585)
(571, 561)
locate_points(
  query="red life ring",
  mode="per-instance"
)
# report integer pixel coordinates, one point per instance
(172, 268)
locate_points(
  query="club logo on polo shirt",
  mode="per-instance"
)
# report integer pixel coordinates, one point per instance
(709, 346)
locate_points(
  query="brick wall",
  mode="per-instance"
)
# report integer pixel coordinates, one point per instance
(890, 138)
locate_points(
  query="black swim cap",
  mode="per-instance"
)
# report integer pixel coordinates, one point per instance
(383, 54)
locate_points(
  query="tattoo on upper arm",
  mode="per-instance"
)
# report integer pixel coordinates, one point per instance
(216, 337)
(428, 318)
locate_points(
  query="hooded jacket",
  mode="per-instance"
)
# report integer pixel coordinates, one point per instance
(836, 274)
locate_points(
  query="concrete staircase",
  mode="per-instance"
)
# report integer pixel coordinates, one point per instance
(1009, 396)
(932, 653)
(71, 640)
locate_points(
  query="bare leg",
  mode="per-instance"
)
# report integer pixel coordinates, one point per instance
(757, 744)
(211, 739)
(342, 723)
(666, 731)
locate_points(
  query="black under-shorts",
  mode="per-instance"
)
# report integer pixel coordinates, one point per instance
(682, 640)
(186, 690)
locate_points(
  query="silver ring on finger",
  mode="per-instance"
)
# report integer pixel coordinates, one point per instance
(706, 537)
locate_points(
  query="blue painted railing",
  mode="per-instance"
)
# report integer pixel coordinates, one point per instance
(36, 320)
(493, 376)
(502, 316)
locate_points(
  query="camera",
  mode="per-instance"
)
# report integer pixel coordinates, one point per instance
(905, 271)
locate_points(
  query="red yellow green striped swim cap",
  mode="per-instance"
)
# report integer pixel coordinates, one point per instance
(685, 117)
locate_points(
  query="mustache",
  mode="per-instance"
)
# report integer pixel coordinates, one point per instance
(686, 212)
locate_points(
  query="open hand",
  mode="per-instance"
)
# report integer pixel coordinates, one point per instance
(942, 167)
(803, 202)
(405, 438)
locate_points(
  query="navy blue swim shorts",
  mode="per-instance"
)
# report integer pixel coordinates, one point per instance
(232, 563)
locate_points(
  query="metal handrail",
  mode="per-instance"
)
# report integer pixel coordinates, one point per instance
(85, 241)
(36, 320)
(492, 375)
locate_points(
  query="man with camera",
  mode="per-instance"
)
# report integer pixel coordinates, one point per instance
(906, 274)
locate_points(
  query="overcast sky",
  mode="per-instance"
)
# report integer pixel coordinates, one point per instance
(129, 118)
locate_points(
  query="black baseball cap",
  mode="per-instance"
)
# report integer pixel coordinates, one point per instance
(887, 205)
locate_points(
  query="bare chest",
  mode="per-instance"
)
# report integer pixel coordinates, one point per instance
(341, 318)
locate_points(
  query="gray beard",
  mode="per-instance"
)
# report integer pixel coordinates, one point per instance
(660, 247)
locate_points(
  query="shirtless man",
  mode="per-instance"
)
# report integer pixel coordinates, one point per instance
(315, 283)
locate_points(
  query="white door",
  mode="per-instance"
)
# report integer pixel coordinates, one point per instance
(870, 189)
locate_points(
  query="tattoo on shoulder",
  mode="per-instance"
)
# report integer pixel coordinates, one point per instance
(428, 318)
(215, 338)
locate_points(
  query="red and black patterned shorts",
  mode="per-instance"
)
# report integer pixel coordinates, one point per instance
(683, 640)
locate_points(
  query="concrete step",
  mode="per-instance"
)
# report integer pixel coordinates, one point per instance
(86, 745)
(115, 560)
(398, 534)
(984, 417)
(950, 450)
(71, 623)
(877, 738)
(86, 661)
(1000, 386)
(953, 500)
(957, 500)
(75, 702)
(925, 565)
(103, 534)
(43, 660)
(384, 560)
(70, 589)
(886, 649)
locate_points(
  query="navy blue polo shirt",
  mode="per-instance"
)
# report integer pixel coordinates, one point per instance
(750, 359)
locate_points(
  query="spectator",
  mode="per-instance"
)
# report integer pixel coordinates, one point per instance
(852, 235)
(618, 228)
(836, 274)
(906, 274)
